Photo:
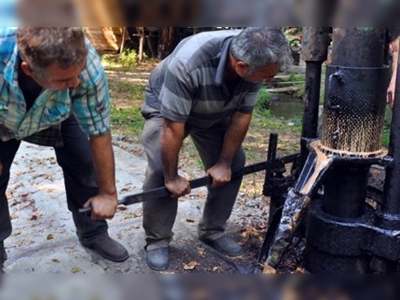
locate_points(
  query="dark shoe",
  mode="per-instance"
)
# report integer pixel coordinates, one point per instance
(226, 246)
(158, 259)
(3, 257)
(106, 247)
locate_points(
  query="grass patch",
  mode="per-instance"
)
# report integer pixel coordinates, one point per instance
(126, 89)
(127, 121)
(386, 127)
(127, 99)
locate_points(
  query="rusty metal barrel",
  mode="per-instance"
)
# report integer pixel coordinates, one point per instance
(355, 94)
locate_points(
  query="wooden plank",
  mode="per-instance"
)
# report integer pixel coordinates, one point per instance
(105, 38)
(283, 89)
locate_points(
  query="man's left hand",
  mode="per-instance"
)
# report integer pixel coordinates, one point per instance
(103, 206)
(220, 174)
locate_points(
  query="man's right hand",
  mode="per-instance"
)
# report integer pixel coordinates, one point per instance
(178, 186)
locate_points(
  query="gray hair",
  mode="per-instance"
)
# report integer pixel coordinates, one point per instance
(261, 46)
(42, 47)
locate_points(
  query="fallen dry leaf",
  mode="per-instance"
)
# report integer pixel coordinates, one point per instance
(376, 172)
(16, 233)
(202, 252)
(34, 217)
(76, 270)
(242, 242)
(13, 217)
(190, 221)
(215, 269)
(55, 260)
(50, 237)
(268, 269)
(262, 225)
(191, 266)
(127, 217)
(121, 207)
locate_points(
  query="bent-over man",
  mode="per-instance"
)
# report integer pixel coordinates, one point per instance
(206, 88)
(54, 92)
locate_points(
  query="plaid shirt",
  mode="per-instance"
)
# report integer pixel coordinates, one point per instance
(89, 102)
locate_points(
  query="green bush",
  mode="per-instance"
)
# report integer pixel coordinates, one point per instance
(128, 58)
(263, 102)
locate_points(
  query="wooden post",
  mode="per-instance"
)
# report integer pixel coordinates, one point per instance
(123, 40)
(141, 42)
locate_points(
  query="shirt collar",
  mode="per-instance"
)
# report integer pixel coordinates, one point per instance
(224, 56)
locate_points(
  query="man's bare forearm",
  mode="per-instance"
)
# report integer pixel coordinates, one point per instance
(395, 47)
(171, 142)
(103, 159)
(235, 134)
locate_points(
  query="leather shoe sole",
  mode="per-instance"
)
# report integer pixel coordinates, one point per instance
(158, 259)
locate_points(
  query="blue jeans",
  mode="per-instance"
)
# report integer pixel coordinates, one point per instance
(79, 177)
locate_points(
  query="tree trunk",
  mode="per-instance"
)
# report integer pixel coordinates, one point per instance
(168, 41)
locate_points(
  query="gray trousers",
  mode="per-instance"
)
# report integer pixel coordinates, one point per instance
(159, 215)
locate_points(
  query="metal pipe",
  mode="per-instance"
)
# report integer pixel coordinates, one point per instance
(354, 110)
(358, 46)
(315, 43)
(352, 127)
(311, 108)
(345, 197)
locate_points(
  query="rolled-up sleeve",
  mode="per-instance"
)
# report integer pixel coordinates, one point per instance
(91, 99)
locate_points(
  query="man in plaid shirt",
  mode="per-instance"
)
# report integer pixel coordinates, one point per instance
(53, 92)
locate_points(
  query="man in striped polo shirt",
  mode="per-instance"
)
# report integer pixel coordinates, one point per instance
(54, 92)
(206, 88)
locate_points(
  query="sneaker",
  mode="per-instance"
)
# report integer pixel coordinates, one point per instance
(106, 247)
(158, 259)
(225, 245)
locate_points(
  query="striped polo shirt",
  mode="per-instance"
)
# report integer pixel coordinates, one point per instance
(89, 102)
(188, 85)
